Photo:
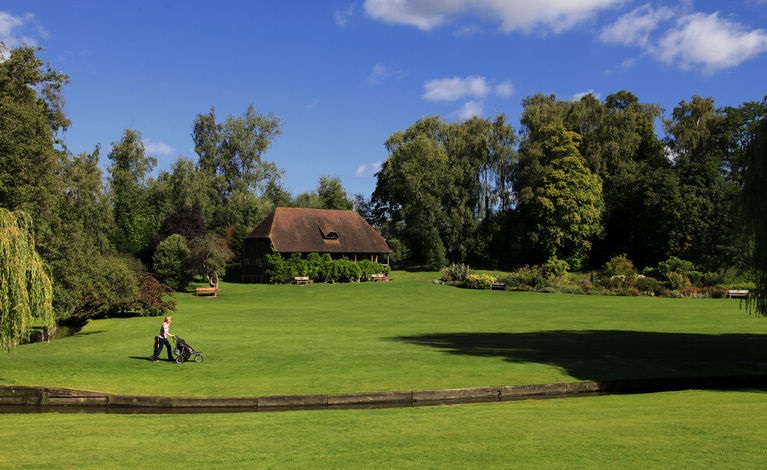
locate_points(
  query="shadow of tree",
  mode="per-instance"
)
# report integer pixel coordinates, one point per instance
(610, 354)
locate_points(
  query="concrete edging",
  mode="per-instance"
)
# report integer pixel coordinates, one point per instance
(42, 397)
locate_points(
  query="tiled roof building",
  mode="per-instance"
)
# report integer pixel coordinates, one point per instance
(295, 230)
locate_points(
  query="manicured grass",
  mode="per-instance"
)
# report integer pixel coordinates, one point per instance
(667, 430)
(402, 335)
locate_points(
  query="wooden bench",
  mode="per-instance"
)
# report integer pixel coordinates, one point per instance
(302, 280)
(737, 293)
(498, 286)
(206, 291)
(381, 277)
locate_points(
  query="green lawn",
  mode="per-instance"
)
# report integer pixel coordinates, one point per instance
(402, 335)
(665, 430)
(406, 334)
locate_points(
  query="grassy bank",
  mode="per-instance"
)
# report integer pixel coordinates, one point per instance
(402, 335)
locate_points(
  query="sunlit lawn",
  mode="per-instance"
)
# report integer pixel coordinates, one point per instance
(665, 430)
(402, 335)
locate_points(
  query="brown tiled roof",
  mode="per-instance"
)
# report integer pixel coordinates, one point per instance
(296, 230)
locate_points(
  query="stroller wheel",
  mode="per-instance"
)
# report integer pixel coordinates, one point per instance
(180, 359)
(198, 357)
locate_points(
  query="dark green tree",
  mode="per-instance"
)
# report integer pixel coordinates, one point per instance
(31, 116)
(410, 186)
(755, 213)
(705, 228)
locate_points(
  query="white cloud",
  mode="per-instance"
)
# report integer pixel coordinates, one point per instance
(367, 170)
(17, 30)
(156, 147)
(708, 41)
(470, 109)
(342, 17)
(504, 89)
(455, 88)
(578, 96)
(524, 15)
(634, 28)
(381, 73)
(693, 40)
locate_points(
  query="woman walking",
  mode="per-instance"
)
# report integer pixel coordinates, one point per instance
(162, 340)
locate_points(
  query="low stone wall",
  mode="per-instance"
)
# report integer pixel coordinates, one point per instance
(40, 397)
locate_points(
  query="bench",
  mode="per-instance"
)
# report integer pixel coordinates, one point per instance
(381, 277)
(498, 286)
(206, 291)
(302, 280)
(737, 293)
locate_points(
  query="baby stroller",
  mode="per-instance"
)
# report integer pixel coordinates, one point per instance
(183, 351)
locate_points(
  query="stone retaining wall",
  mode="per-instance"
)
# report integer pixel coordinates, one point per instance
(25, 396)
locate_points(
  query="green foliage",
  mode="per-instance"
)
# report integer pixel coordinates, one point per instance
(320, 268)
(31, 110)
(208, 257)
(136, 219)
(619, 266)
(525, 278)
(26, 291)
(650, 286)
(171, 262)
(555, 270)
(231, 158)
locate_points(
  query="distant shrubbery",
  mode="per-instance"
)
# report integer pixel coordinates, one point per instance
(671, 278)
(320, 268)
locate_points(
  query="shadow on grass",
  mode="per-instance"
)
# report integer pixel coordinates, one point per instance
(610, 354)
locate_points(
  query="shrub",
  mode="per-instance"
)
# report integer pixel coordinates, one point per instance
(618, 273)
(677, 281)
(279, 270)
(649, 286)
(479, 281)
(527, 277)
(456, 273)
(555, 270)
(171, 262)
(320, 268)
(619, 265)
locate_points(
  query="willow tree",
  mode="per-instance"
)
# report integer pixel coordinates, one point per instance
(26, 291)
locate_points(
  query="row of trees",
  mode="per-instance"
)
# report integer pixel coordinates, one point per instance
(115, 241)
(584, 181)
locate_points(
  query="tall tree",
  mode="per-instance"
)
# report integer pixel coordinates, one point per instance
(332, 194)
(703, 231)
(31, 115)
(136, 220)
(231, 153)
(26, 291)
(410, 186)
(568, 199)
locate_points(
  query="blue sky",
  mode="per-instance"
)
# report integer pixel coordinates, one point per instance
(344, 75)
